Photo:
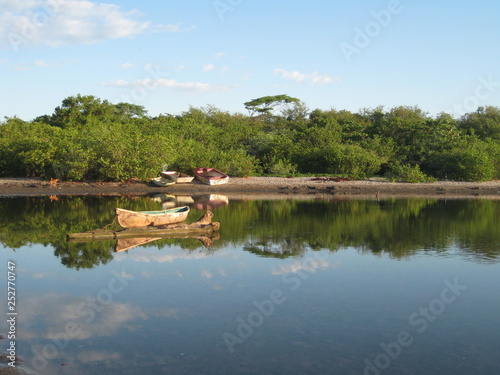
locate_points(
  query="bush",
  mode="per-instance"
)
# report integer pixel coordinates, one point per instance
(407, 173)
(351, 160)
(281, 168)
(471, 163)
(234, 163)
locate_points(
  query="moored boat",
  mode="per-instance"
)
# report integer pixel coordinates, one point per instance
(160, 181)
(134, 219)
(210, 176)
(177, 177)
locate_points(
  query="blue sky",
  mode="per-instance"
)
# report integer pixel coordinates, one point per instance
(172, 54)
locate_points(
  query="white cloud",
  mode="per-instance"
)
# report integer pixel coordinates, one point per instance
(208, 67)
(206, 274)
(310, 266)
(127, 66)
(311, 78)
(152, 84)
(146, 256)
(67, 22)
(36, 64)
(47, 315)
(174, 28)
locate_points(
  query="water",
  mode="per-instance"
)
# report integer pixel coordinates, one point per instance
(290, 287)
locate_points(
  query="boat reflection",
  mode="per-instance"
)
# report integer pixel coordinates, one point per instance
(200, 202)
(210, 201)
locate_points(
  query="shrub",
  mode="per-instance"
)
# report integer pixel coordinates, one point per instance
(281, 168)
(471, 163)
(351, 160)
(407, 173)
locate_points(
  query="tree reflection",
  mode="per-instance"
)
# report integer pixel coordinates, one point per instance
(278, 229)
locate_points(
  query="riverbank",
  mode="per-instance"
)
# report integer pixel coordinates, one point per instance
(258, 188)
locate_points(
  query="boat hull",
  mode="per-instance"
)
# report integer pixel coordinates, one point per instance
(210, 176)
(177, 177)
(160, 181)
(135, 219)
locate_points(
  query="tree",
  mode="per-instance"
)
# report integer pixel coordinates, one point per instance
(266, 104)
(80, 111)
(485, 123)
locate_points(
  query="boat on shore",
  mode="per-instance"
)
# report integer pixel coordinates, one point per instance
(177, 177)
(210, 176)
(160, 181)
(135, 219)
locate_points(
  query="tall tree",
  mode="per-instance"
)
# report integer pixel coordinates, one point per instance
(266, 105)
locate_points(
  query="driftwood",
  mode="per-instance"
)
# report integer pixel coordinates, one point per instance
(203, 228)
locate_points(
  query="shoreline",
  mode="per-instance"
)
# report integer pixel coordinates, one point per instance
(259, 188)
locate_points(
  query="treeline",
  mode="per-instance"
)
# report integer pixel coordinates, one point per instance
(90, 139)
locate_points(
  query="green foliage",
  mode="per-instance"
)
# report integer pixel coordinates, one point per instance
(471, 162)
(266, 104)
(351, 160)
(281, 168)
(407, 173)
(88, 138)
(485, 123)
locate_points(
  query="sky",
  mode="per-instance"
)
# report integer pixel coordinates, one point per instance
(170, 55)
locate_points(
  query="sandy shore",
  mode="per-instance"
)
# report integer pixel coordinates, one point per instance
(259, 188)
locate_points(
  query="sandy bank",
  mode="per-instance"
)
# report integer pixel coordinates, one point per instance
(258, 188)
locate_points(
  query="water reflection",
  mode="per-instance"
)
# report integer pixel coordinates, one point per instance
(279, 229)
(291, 287)
(200, 202)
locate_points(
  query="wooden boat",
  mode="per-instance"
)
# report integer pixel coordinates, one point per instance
(169, 176)
(177, 177)
(160, 181)
(134, 219)
(210, 176)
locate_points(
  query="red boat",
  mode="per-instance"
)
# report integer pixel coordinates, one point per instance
(210, 176)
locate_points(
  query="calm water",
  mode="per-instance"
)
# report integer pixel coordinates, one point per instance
(290, 287)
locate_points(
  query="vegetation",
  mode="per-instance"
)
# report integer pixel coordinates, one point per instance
(90, 139)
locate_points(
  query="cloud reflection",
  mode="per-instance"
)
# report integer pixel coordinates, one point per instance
(311, 266)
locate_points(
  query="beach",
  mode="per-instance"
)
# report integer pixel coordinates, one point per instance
(258, 188)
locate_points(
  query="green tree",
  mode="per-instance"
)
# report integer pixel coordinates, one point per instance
(485, 123)
(266, 105)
